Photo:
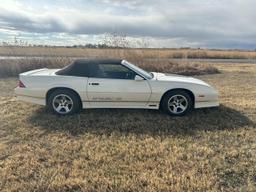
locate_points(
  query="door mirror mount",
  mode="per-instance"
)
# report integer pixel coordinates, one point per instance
(138, 78)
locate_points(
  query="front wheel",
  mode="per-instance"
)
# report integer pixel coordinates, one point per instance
(64, 102)
(177, 103)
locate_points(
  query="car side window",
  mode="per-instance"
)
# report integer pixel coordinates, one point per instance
(114, 71)
(80, 70)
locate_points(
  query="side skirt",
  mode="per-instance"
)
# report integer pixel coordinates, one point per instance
(127, 105)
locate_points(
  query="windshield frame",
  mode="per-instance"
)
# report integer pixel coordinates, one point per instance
(138, 70)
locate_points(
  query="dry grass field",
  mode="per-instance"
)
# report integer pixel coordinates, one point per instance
(133, 150)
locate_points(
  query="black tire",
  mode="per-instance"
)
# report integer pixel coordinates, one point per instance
(169, 106)
(70, 96)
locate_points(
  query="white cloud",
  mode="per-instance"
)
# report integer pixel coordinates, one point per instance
(208, 23)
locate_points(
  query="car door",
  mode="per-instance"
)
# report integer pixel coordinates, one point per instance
(116, 84)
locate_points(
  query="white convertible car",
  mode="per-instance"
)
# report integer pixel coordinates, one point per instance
(113, 84)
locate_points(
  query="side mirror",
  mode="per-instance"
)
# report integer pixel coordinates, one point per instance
(138, 78)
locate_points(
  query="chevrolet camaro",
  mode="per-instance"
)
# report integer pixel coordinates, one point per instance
(113, 84)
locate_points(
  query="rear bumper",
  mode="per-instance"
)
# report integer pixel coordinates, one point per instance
(26, 95)
(34, 100)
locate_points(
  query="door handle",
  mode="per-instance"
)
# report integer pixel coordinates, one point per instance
(94, 84)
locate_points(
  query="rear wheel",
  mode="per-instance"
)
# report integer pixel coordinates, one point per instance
(177, 103)
(64, 102)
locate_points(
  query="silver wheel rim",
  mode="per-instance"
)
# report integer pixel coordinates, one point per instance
(62, 104)
(177, 104)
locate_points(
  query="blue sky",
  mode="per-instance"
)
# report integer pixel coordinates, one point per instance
(159, 23)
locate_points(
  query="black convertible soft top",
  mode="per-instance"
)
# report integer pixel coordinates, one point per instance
(85, 67)
(97, 61)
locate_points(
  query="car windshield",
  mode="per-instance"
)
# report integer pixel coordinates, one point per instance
(139, 70)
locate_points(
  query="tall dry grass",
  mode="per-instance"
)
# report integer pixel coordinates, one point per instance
(11, 68)
(148, 53)
(150, 60)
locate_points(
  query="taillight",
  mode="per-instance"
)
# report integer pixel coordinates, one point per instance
(21, 85)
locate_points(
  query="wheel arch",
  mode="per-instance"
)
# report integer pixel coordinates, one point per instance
(191, 94)
(50, 91)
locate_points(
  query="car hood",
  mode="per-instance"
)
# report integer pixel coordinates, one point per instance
(178, 78)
